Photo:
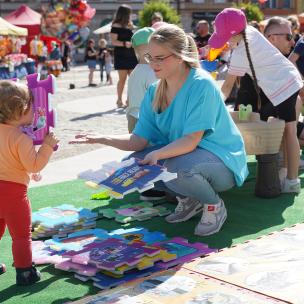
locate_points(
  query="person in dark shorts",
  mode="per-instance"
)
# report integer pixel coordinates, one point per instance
(90, 57)
(124, 55)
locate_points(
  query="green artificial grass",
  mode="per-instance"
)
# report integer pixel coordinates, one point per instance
(248, 218)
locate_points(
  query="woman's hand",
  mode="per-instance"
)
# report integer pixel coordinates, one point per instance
(128, 44)
(87, 139)
(151, 158)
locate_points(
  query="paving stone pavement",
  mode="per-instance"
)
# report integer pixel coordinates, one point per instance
(85, 110)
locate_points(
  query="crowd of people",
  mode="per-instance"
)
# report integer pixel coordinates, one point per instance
(176, 115)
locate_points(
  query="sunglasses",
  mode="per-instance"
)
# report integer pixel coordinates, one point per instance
(289, 37)
(158, 60)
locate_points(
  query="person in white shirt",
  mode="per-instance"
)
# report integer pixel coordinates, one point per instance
(141, 77)
(272, 73)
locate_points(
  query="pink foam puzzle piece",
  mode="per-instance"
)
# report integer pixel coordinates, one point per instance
(111, 253)
(42, 254)
(44, 114)
(86, 270)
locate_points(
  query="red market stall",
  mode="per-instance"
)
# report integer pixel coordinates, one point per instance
(27, 18)
(301, 20)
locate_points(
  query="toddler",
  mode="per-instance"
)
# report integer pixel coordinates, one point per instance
(108, 66)
(18, 158)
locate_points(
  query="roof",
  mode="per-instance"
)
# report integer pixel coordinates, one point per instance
(7, 28)
(24, 16)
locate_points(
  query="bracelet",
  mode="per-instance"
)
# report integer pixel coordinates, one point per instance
(124, 44)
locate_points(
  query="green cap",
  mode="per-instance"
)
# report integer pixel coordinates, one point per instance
(142, 36)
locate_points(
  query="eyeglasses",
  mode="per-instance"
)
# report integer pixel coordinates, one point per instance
(158, 60)
(289, 37)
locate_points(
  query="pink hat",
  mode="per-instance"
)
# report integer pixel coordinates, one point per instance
(228, 22)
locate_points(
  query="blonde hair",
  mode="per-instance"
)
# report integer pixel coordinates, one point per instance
(102, 43)
(181, 45)
(15, 100)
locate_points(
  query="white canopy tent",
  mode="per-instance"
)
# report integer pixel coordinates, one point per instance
(104, 29)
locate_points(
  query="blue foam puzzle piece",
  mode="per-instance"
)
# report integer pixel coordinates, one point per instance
(77, 240)
(139, 234)
(65, 214)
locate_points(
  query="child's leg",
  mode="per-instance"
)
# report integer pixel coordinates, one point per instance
(287, 111)
(19, 225)
(131, 122)
(292, 149)
(2, 227)
(101, 70)
(110, 78)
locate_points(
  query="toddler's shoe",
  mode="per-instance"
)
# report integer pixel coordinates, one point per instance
(291, 186)
(213, 218)
(186, 208)
(2, 268)
(27, 276)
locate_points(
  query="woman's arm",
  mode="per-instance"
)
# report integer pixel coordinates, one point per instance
(293, 57)
(180, 146)
(116, 42)
(228, 85)
(127, 142)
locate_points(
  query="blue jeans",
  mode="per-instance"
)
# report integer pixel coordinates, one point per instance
(200, 175)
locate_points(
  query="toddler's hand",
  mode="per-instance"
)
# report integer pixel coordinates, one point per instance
(51, 140)
(36, 177)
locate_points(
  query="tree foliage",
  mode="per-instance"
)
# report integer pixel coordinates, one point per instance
(169, 14)
(252, 11)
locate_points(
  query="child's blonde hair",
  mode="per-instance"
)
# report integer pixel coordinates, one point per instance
(180, 44)
(15, 100)
(102, 43)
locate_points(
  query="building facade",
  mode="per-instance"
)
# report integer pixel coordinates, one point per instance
(190, 10)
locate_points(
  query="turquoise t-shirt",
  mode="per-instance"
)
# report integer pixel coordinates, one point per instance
(197, 106)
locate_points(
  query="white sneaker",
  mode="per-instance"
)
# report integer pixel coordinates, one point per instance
(213, 218)
(186, 208)
(291, 187)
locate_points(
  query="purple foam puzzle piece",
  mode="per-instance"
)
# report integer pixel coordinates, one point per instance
(44, 114)
(184, 250)
(111, 253)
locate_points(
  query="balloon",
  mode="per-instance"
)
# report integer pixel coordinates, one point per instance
(69, 17)
(84, 33)
(82, 6)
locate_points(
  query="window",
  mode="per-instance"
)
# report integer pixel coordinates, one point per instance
(287, 4)
(271, 4)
